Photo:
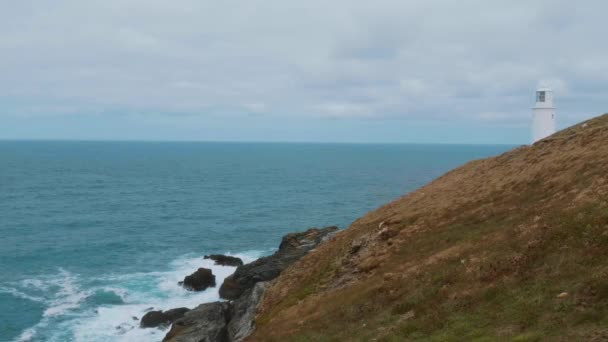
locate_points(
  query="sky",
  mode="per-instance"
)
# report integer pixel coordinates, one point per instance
(393, 71)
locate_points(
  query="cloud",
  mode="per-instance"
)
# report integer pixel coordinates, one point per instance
(414, 60)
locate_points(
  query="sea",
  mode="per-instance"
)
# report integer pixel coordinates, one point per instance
(94, 234)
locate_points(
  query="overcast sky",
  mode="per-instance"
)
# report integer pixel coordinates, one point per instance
(341, 70)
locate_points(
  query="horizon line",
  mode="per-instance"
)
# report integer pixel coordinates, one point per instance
(252, 142)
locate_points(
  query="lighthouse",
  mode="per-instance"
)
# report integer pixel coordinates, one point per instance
(543, 115)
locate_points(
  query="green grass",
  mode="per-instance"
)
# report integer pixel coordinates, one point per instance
(519, 303)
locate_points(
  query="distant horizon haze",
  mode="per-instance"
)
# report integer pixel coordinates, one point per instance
(303, 130)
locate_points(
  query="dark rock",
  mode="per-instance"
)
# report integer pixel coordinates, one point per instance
(199, 280)
(153, 319)
(135, 318)
(124, 328)
(293, 247)
(230, 288)
(224, 260)
(244, 309)
(206, 323)
(219, 321)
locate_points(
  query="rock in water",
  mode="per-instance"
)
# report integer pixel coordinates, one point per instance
(244, 309)
(224, 260)
(199, 280)
(293, 247)
(206, 323)
(153, 319)
(124, 328)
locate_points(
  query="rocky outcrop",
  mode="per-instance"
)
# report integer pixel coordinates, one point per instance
(243, 311)
(293, 247)
(219, 321)
(200, 280)
(235, 320)
(153, 319)
(225, 260)
(206, 323)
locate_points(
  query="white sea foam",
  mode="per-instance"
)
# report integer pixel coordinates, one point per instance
(27, 334)
(139, 292)
(35, 283)
(118, 323)
(19, 294)
(67, 297)
(61, 290)
(63, 295)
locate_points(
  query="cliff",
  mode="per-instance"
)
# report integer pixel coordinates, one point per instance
(513, 247)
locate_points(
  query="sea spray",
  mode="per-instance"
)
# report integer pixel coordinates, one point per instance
(111, 310)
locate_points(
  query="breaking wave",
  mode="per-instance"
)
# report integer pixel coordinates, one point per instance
(75, 310)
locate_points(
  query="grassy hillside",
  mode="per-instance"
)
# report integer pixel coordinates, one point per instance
(511, 248)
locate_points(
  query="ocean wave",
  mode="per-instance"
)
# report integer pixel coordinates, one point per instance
(110, 310)
(68, 296)
(19, 294)
(28, 334)
(59, 293)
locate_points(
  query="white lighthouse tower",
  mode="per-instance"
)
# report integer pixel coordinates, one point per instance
(543, 115)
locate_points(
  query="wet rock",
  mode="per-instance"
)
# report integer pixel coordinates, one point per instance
(206, 323)
(200, 280)
(153, 319)
(293, 246)
(224, 260)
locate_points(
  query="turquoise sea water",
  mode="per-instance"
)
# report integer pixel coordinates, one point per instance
(94, 233)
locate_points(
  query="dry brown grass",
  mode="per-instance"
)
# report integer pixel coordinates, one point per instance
(478, 254)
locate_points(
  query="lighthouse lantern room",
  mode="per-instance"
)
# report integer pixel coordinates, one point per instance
(543, 115)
